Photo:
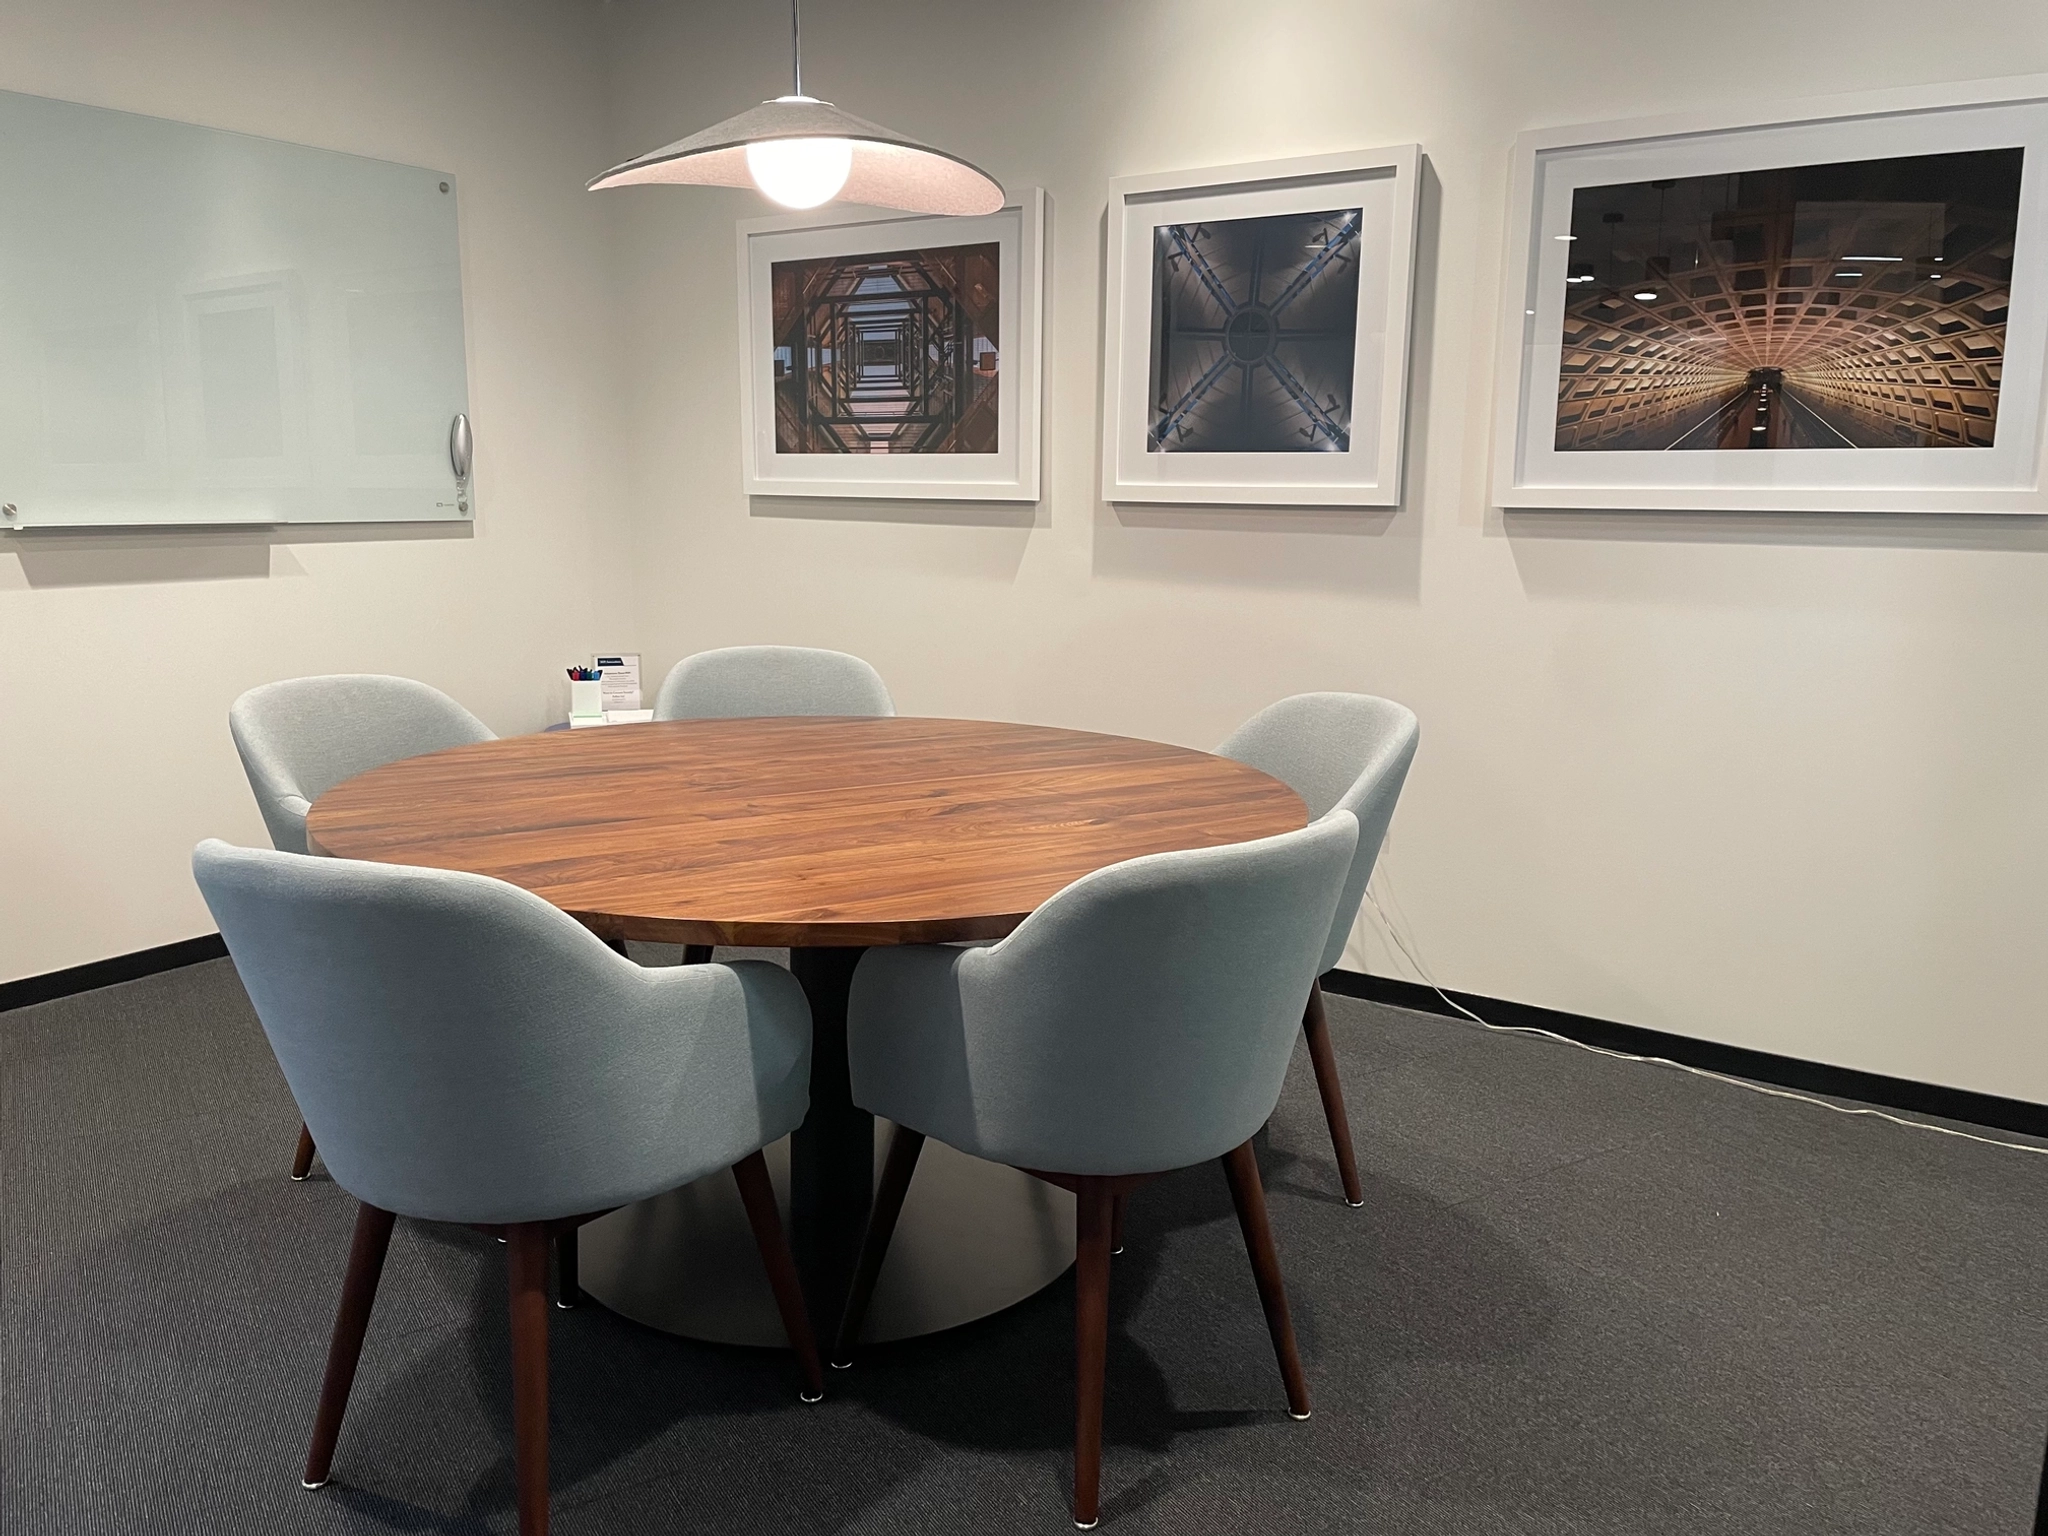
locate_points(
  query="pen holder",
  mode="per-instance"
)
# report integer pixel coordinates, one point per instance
(586, 699)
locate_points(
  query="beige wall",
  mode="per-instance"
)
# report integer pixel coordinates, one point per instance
(119, 655)
(1771, 781)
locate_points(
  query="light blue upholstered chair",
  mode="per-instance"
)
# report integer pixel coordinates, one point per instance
(301, 737)
(1339, 752)
(466, 1052)
(760, 680)
(770, 680)
(1140, 1021)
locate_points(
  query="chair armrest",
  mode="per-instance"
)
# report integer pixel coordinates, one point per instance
(285, 817)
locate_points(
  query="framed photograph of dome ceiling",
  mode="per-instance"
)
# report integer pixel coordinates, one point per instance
(893, 355)
(1256, 349)
(1841, 308)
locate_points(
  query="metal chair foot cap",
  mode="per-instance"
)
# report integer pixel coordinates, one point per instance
(565, 1306)
(321, 1484)
(1297, 1417)
(1087, 1525)
(300, 1178)
(810, 1397)
(842, 1365)
(1115, 1251)
(1356, 1205)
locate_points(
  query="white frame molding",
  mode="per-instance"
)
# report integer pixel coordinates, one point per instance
(1009, 474)
(2005, 478)
(1387, 178)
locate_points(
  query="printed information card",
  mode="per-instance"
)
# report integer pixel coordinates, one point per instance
(620, 680)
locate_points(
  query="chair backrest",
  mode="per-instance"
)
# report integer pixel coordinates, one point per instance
(463, 1051)
(1338, 751)
(300, 738)
(771, 680)
(1143, 1018)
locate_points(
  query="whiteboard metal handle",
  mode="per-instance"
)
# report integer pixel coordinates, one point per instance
(461, 445)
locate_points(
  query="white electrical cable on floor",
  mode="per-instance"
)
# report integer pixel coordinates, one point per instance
(1394, 934)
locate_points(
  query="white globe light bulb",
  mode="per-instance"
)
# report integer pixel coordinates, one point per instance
(800, 173)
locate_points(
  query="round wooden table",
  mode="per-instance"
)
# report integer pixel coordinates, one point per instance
(827, 835)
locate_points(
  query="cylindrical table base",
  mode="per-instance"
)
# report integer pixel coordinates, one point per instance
(974, 1238)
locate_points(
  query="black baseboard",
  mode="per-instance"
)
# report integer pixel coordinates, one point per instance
(1759, 1066)
(104, 973)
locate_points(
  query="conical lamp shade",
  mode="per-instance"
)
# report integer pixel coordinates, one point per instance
(889, 170)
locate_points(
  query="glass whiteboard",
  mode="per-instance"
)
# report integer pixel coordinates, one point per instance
(201, 327)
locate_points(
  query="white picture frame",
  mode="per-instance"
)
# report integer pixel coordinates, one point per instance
(1011, 471)
(1383, 184)
(1530, 470)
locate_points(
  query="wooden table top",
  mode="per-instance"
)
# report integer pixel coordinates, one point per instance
(813, 831)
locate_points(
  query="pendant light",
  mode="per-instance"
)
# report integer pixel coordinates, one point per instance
(801, 152)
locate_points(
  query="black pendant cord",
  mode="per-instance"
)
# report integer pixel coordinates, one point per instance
(796, 48)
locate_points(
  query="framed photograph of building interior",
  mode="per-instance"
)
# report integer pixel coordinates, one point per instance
(1257, 342)
(893, 355)
(1844, 308)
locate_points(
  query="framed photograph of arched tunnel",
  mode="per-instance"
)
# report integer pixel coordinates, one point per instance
(1257, 338)
(1844, 309)
(893, 355)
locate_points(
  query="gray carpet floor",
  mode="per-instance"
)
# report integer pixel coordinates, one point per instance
(1583, 1296)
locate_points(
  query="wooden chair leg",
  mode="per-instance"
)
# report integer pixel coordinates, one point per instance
(696, 954)
(901, 1163)
(526, 1264)
(1316, 1025)
(568, 1293)
(1249, 1195)
(351, 1322)
(1116, 1223)
(302, 1159)
(1092, 1217)
(2041, 1504)
(758, 1195)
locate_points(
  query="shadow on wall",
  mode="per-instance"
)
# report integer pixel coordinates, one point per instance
(929, 514)
(1371, 550)
(1645, 555)
(989, 546)
(1994, 533)
(98, 558)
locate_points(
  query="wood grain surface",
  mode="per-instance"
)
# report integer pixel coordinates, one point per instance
(814, 831)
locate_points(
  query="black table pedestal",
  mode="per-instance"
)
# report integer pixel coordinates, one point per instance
(974, 1237)
(832, 1154)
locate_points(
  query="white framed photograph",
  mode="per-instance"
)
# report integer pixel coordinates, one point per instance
(1843, 308)
(1256, 351)
(893, 355)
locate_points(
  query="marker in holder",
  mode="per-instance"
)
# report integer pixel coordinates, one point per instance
(586, 693)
